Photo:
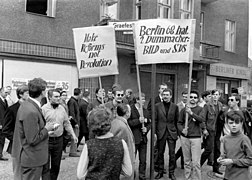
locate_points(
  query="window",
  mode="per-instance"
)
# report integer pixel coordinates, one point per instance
(42, 7)
(185, 9)
(164, 9)
(230, 36)
(138, 9)
(109, 8)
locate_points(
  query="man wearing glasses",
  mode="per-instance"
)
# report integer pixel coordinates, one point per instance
(211, 115)
(118, 94)
(191, 136)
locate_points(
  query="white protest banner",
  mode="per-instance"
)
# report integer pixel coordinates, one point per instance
(164, 40)
(95, 49)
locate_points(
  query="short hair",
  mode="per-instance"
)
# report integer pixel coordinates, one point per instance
(214, 91)
(62, 92)
(195, 92)
(184, 92)
(122, 109)
(77, 91)
(205, 94)
(130, 91)
(116, 87)
(21, 90)
(9, 87)
(97, 90)
(99, 120)
(167, 90)
(236, 116)
(85, 93)
(136, 95)
(51, 91)
(109, 90)
(162, 84)
(36, 86)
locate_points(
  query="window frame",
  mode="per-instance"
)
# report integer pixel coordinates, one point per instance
(51, 9)
(183, 12)
(104, 8)
(161, 6)
(230, 36)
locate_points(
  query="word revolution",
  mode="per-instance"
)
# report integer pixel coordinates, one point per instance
(95, 63)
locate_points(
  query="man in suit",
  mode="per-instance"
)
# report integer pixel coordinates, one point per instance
(166, 118)
(3, 108)
(30, 143)
(140, 127)
(83, 104)
(11, 114)
(120, 128)
(157, 100)
(74, 112)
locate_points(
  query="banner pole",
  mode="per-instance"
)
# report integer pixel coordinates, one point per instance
(188, 93)
(140, 93)
(100, 85)
(153, 86)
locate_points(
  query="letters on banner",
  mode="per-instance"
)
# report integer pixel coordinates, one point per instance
(95, 49)
(164, 40)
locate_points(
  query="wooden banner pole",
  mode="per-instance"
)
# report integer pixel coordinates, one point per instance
(100, 85)
(140, 94)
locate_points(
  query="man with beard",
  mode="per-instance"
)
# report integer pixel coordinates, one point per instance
(55, 113)
(167, 114)
(191, 137)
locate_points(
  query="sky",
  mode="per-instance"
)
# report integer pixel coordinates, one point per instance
(250, 31)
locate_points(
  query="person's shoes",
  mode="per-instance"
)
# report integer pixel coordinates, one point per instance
(74, 155)
(217, 172)
(81, 143)
(63, 158)
(172, 177)
(3, 159)
(78, 150)
(159, 175)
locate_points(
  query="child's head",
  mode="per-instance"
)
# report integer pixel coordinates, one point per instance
(235, 120)
(99, 120)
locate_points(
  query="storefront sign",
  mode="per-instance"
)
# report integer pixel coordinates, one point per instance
(95, 49)
(64, 85)
(122, 26)
(226, 70)
(164, 40)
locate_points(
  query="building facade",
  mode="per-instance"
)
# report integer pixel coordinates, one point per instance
(36, 40)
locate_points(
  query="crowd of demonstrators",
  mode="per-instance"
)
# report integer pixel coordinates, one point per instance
(39, 129)
(140, 127)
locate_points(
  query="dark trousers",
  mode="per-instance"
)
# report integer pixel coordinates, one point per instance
(81, 135)
(179, 154)
(142, 151)
(161, 149)
(2, 141)
(55, 153)
(212, 145)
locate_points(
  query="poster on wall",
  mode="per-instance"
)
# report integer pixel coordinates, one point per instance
(95, 49)
(51, 84)
(164, 40)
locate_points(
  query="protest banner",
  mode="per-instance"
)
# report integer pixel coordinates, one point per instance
(95, 50)
(164, 40)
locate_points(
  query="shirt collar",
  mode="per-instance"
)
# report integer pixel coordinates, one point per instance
(36, 101)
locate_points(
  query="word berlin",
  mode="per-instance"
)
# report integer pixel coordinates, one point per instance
(95, 63)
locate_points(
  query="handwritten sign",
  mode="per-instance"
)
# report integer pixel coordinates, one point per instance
(164, 40)
(95, 49)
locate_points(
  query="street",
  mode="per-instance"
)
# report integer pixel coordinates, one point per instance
(69, 166)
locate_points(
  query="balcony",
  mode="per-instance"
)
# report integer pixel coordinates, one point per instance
(209, 52)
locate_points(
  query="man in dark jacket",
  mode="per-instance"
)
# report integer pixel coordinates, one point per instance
(140, 126)
(166, 118)
(74, 112)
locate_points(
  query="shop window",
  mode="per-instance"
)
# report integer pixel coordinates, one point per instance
(42, 7)
(164, 9)
(230, 35)
(109, 8)
(138, 9)
(186, 9)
